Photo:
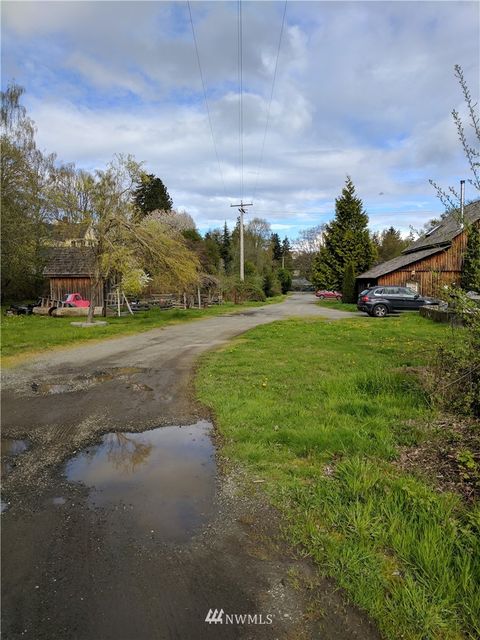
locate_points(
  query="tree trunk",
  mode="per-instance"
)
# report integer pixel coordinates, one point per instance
(91, 308)
(104, 303)
(94, 288)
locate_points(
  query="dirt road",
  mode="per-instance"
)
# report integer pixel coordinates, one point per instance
(117, 529)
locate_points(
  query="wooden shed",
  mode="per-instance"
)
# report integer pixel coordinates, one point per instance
(432, 261)
(69, 271)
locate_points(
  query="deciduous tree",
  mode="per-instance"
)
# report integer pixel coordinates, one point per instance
(26, 177)
(133, 250)
(306, 247)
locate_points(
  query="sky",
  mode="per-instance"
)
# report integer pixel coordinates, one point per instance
(364, 89)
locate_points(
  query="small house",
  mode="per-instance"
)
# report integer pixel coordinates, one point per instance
(432, 261)
(71, 234)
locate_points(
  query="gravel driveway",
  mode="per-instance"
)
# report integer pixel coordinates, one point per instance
(116, 529)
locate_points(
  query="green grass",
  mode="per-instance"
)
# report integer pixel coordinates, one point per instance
(318, 409)
(26, 335)
(341, 306)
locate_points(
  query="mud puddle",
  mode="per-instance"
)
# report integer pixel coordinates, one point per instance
(161, 482)
(84, 382)
(9, 449)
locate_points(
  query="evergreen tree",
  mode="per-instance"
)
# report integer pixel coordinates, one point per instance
(471, 262)
(151, 194)
(347, 239)
(389, 243)
(286, 254)
(226, 248)
(213, 246)
(276, 247)
(348, 285)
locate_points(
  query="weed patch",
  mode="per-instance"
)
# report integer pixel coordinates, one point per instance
(320, 411)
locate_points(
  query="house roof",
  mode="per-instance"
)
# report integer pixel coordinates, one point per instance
(69, 261)
(437, 239)
(447, 230)
(64, 230)
(399, 262)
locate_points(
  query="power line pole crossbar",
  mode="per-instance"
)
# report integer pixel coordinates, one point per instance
(242, 254)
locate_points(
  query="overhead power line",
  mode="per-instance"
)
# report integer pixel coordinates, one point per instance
(206, 101)
(270, 101)
(328, 213)
(240, 92)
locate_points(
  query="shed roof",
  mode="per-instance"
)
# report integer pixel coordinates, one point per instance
(69, 261)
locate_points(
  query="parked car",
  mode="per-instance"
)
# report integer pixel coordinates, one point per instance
(328, 295)
(75, 300)
(380, 301)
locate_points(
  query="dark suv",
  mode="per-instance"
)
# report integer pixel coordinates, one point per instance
(380, 301)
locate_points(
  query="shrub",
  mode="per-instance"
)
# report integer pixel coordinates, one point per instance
(455, 383)
(348, 285)
(285, 278)
(271, 285)
(471, 262)
(238, 291)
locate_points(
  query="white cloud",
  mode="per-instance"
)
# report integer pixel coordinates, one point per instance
(362, 88)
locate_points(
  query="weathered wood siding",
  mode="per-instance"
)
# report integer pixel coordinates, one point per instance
(61, 286)
(431, 273)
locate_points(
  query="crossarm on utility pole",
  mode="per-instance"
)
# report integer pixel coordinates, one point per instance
(242, 253)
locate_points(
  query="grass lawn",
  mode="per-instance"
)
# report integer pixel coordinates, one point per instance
(24, 336)
(341, 306)
(318, 409)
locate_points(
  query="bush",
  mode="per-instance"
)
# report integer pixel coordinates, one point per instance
(455, 383)
(348, 285)
(271, 285)
(285, 278)
(238, 291)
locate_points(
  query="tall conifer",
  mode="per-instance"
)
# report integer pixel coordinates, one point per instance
(346, 240)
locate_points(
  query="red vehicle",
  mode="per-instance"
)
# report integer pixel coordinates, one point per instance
(329, 295)
(75, 300)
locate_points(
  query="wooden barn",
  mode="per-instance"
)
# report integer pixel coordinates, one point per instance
(68, 270)
(432, 261)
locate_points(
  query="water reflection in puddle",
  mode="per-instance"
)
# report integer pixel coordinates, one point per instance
(163, 480)
(13, 447)
(9, 449)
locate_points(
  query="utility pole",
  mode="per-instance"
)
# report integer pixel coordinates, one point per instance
(242, 254)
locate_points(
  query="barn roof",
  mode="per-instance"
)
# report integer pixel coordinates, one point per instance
(69, 261)
(437, 239)
(399, 262)
(447, 229)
